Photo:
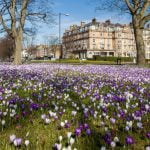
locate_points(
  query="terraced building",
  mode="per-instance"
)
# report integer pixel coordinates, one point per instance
(102, 38)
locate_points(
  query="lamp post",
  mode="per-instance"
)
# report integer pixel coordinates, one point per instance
(60, 14)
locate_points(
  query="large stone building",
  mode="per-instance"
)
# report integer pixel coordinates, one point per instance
(104, 39)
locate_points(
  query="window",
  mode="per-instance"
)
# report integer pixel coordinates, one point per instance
(94, 45)
(93, 27)
(96, 53)
(104, 53)
(119, 35)
(111, 53)
(101, 45)
(119, 46)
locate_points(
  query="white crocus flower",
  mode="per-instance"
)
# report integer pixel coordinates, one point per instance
(12, 138)
(47, 120)
(3, 122)
(62, 124)
(27, 142)
(116, 139)
(43, 116)
(103, 148)
(72, 140)
(60, 138)
(113, 144)
(69, 134)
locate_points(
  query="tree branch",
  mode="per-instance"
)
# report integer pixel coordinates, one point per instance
(13, 17)
(130, 7)
(23, 14)
(145, 20)
(4, 25)
(41, 15)
(144, 8)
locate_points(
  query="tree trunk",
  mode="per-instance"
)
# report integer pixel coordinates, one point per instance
(140, 46)
(17, 50)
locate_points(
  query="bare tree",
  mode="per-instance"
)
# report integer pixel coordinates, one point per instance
(6, 47)
(140, 12)
(28, 43)
(52, 43)
(17, 16)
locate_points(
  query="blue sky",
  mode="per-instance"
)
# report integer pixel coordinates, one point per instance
(79, 10)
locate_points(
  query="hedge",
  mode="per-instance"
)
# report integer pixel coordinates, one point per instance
(109, 58)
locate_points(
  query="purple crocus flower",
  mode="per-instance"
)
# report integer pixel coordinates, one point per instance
(34, 106)
(104, 109)
(91, 112)
(112, 120)
(85, 115)
(108, 138)
(1, 113)
(129, 140)
(122, 113)
(1, 98)
(81, 127)
(23, 106)
(1, 89)
(67, 125)
(60, 113)
(137, 113)
(24, 113)
(97, 97)
(17, 141)
(77, 131)
(56, 117)
(88, 132)
(148, 135)
(85, 126)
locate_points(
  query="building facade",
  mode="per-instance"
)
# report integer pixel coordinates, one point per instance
(41, 51)
(104, 39)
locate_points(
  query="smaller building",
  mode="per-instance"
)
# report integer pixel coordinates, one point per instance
(24, 54)
(46, 52)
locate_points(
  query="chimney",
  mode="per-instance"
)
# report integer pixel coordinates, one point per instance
(108, 22)
(94, 20)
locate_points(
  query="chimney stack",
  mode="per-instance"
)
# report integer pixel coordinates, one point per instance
(94, 20)
(108, 22)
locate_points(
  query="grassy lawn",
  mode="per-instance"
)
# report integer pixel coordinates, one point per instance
(85, 62)
(74, 62)
(85, 107)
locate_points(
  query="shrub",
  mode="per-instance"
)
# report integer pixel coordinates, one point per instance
(110, 58)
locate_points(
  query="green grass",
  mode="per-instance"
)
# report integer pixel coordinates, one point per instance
(43, 137)
(92, 62)
(74, 62)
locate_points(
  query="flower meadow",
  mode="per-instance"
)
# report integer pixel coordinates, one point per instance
(74, 107)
